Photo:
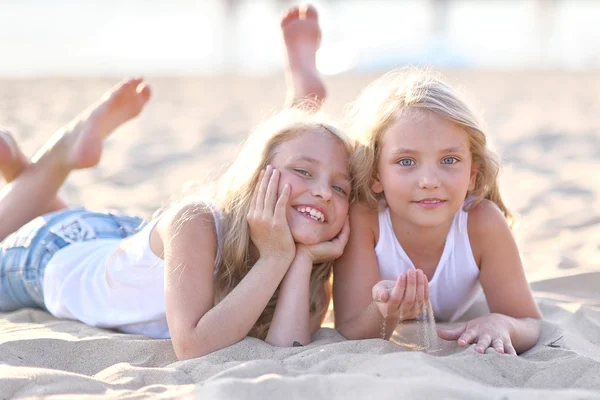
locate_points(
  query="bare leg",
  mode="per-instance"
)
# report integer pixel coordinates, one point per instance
(78, 145)
(13, 162)
(302, 37)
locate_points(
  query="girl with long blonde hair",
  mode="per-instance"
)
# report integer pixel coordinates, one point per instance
(429, 223)
(256, 260)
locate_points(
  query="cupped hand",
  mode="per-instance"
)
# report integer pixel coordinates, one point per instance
(403, 299)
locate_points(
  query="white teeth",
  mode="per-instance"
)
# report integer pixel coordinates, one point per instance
(311, 212)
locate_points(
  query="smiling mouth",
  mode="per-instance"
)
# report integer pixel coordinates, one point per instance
(430, 201)
(312, 213)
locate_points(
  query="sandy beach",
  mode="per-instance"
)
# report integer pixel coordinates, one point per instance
(546, 128)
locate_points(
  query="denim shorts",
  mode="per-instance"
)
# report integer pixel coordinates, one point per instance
(25, 253)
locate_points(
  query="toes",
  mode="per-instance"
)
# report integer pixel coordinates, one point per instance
(290, 15)
(144, 90)
(7, 145)
(309, 12)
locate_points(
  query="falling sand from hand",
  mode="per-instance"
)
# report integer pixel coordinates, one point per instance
(420, 334)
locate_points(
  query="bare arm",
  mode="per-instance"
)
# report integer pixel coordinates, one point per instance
(513, 324)
(502, 276)
(197, 328)
(291, 321)
(355, 274)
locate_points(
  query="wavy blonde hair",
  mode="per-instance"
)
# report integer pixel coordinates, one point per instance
(386, 100)
(235, 193)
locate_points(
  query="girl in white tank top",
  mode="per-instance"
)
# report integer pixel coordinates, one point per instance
(256, 262)
(415, 237)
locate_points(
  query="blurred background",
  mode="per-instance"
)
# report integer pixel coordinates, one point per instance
(202, 37)
(530, 68)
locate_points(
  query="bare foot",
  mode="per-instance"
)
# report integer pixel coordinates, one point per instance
(12, 159)
(79, 144)
(302, 37)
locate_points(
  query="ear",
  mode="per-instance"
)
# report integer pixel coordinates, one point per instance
(473, 178)
(376, 186)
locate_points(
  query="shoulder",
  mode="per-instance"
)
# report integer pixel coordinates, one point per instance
(486, 225)
(364, 220)
(484, 216)
(189, 218)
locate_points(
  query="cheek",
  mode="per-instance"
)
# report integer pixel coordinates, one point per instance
(343, 215)
(291, 179)
(399, 181)
(459, 181)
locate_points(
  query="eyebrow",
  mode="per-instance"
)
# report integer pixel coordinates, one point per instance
(315, 161)
(402, 150)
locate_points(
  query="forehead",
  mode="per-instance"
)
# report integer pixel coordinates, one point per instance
(425, 130)
(320, 146)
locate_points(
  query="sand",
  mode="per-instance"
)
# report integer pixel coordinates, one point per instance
(545, 125)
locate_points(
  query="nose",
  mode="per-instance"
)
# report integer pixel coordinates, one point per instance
(322, 190)
(429, 179)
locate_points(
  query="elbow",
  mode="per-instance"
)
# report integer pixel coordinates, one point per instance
(196, 343)
(344, 330)
(188, 346)
(186, 351)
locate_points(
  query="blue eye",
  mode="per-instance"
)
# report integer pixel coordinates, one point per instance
(449, 160)
(339, 189)
(302, 172)
(406, 162)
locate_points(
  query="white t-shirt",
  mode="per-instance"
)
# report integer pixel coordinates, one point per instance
(111, 283)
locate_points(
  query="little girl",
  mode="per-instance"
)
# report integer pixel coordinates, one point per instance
(430, 218)
(256, 260)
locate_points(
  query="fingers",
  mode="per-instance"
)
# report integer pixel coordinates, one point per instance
(255, 194)
(420, 292)
(467, 338)
(397, 294)
(339, 242)
(282, 202)
(271, 194)
(426, 289)
(265, 197)
(379, 295)
(381, 291)
(452, 334)
(411, 291)
(344, 233)
(498, 345)
(509, 349)
(262, 188)
(483, 343)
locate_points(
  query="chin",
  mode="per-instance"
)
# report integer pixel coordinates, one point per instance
(310, 236)
(307, 238)
(430, 222)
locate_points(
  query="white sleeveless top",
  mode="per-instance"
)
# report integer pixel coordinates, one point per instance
(455, 283)
(112, 283)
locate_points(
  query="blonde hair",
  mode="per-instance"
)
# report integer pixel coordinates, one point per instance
(386, 100)
(235, 192)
